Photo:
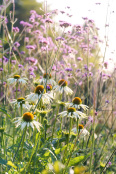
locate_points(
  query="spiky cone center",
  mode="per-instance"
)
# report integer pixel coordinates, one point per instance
(81, 126)
(39, 89)
(49, 87)
(21, 100)
(63, 83)
(47, 76)
(28, 117)
(71, 109)
(77, 101)
(16, 76)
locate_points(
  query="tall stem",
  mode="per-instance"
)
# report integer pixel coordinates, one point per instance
(23, 142)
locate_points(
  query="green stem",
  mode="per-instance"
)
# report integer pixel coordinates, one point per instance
(77, 126)
(54, 128)
(23, 142)
(92, 150)
(16, 89)
(69, 131)
(21, 109)
(54, 123)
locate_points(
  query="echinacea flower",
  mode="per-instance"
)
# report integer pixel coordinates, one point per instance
(47, 79)
(77, 103)
(62, 87)
(73, 113)
(17, 78)
(21, 102)
(27, 119)
(82, 131)
(39, 94)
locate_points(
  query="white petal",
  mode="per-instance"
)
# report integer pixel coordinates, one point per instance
(23, 125)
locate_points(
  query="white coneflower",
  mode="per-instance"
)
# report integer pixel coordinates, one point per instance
(47, 80)
(71, 112)
(27, 119)
(20, 102)
(62, 87)
(77, 103)
(83, 132)
(17, 78)
(39, 94)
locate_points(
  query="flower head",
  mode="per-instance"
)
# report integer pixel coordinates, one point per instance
(47, 79)
(20, 102)
(17, 78)
(62, 87)
(71, 112)
(27, 120)
(39, 94)
(77, 103)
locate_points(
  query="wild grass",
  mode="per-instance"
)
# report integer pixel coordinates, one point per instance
(57, 101)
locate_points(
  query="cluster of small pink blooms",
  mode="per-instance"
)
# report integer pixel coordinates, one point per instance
(16, 29)
(65, 24)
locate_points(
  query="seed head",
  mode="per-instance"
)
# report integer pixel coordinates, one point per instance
(77, 101)
(39, 89)
(28, 117)
(62, 82)
(71, 109)
(16, 76)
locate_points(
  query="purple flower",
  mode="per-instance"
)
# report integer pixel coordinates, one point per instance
(86, 67)
(44, 41)
(36, 32)
(107, 101)
(1, 69)
(31, 69)
(90, 118)
(31, 47)
(65, 24)
(26, 39)
(60, 38)
(33, 12)
(32, 60)
(22, 52)
(36, 24)
(32, 73)
(16, 29)
(68, 69)
(109, 163)
(48, 20)
(5, 59)
(20, 66)
(106, 65)
(96, 113)
(90, 74)
(13, 62)
(32, 19)
(17, 44)
(79, 58)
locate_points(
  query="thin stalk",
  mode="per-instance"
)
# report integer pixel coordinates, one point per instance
(16, 89)
(77, 126)
(23, 142)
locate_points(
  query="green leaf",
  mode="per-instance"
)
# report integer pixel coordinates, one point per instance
(102, 164)
(76, 160)
(9, 163)
(57, 151)
(2, 161)
(5, 112)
